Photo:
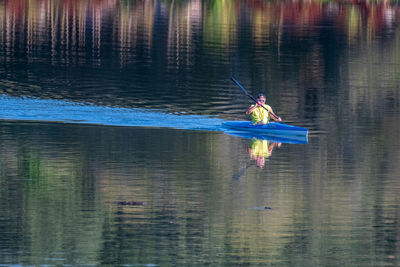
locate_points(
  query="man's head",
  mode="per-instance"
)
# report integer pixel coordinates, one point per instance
(261, 98)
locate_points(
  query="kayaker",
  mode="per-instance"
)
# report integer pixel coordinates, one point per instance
(260, 115)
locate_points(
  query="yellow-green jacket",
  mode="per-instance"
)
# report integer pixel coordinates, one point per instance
(260, 115)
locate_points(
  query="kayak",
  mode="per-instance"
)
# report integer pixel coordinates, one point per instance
(273, 128)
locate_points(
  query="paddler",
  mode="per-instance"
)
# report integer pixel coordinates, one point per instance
(258, 112)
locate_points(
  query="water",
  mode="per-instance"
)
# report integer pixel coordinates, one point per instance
(105, 102)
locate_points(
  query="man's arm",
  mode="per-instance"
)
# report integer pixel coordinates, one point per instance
(274, 116)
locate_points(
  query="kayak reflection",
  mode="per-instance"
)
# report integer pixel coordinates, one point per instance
(303, 139)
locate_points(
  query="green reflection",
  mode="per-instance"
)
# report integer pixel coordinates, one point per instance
(61, 184)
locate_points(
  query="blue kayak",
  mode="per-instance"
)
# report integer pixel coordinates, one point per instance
(273, 128)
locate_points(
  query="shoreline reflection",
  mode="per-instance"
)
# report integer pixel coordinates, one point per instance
(62, 27)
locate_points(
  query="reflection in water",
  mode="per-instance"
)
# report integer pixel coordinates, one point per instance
(260, 150)
(65, 23)
(61, 184)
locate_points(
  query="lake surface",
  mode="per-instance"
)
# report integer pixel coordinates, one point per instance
(112, 151)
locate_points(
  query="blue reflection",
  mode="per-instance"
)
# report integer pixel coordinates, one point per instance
(302, 139)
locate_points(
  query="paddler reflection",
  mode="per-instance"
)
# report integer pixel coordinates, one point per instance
(260, 150)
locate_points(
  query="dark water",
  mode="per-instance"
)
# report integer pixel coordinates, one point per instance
(111, 155)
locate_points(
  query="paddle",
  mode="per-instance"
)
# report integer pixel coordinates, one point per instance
(252, 98)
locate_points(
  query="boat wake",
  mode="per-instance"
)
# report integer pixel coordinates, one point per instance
(34, 109)
(48, 110)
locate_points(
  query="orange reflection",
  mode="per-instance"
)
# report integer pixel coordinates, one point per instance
(299, 17)
(71, 25)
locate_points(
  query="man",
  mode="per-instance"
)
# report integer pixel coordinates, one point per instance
(259, 114)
